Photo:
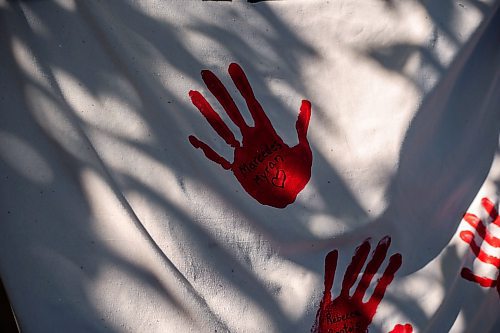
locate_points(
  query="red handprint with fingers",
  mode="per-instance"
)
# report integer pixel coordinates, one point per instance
(485, 234)
(269, 170)
(348, 313)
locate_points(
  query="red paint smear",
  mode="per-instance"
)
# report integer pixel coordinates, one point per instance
(483, 281)
(406, 328)
(475, 222)
(468, 237)
(486, 235)
(490, 208)
(350, 313)
(268, 169)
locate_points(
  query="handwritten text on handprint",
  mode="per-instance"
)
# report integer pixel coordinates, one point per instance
(348, 313)
(268, 169)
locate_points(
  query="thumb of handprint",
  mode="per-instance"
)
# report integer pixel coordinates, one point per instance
(267, 168)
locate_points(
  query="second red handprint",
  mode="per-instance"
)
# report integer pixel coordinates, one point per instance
(487, 237)
(268, 169)
(348, 312)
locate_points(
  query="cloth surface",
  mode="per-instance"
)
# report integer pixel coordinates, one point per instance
(111, 220)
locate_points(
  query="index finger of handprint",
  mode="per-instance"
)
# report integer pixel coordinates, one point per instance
(220, 92)
(394, 264)
(354, 268)
(213, 118)
(243, 86)
(372, 267)
(481, 280)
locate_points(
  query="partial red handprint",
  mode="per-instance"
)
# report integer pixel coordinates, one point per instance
(485, 234)
(406, 328)
(348, 313)
(269, 170)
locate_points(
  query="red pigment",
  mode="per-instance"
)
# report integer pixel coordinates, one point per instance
(477, 224)
(481, 230)
(482, 281)
(268, 169)
(468, 237)
(406, 328)
(490, 208)
(348, 313)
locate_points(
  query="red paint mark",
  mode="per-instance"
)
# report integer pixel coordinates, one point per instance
(468, 237)
(348, 313)
(482, 281)
(481, 230)
(268, 169)
(406, 328)
(476, 223)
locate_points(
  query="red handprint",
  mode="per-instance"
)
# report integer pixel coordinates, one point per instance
(406, 328)
(485, 234)
(348, 313)
(268, 169)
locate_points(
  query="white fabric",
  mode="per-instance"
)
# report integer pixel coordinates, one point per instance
(111, 221)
